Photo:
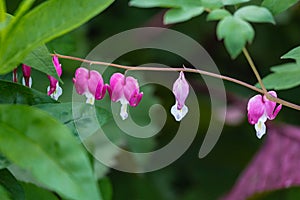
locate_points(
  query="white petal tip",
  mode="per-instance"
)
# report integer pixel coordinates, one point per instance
(123, 113)
(57, 93)
(179, 114)
(260, 128)
(90, 99)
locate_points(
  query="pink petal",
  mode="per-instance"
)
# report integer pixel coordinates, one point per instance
(57, 65)
(275, 112)
(81, 80)
(256, 109)
(181, 90)
(100, 91)
(135, 98)
(52, 80)
(26, 70)
(115, 88)
(131, 87)
(270, 105)
(94, 80)
(116, 78)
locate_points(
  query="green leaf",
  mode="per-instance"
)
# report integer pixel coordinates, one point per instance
(41, 60)
(34, 192)
(278, 6)
(64, 113)
(235, 32)
(3, 19)
(52, 154)
(4, 194)
(2, 11)
(293, 54)
(212, 4)
(155, 3)
(233, 2)
(282, 80)
(255, 14)
(164, 3)
(63, 15)
(9, 182)
(106, 188)
(3, 162)
(176, 15)
(285, 67)
(23, 7)
(217, 14)
(14, 93)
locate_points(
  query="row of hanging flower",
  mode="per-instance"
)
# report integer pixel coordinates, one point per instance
(126, 91)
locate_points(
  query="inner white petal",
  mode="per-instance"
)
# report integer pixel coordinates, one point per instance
(179, 114)
(260, 127)
(57, 93)
(24, 83)
(123, 112)
(90, 99)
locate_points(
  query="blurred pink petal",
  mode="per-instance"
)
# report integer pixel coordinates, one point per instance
(275, 166)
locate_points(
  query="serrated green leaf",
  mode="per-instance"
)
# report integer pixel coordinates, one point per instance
(282, 80)
(293, 54)
(63, 15)
(278, 6)
(40, 59)
(234, 2)
(64, 113)
(255, 14)
(176, 15)
(217, 14)
(9, 182)
(13, 93)
(212, 4)
(52, 154)
(34, 192)
(286, 67)
(235, 32)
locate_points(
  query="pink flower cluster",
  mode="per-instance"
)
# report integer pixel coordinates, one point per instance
(121, 89)
(54, 90)
(126, 91)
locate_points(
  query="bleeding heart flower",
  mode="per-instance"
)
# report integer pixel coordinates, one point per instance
(54, 90)
(90, 84)
(26, 80)
(15, 75)
(181, 92)
(259, 110)
(125, 90)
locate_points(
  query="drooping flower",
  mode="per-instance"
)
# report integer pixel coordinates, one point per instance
(181, 92)
(90, 84)
(124, 90)
(26, 80)
(54, 90)
(259, 110)
(15, 75)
